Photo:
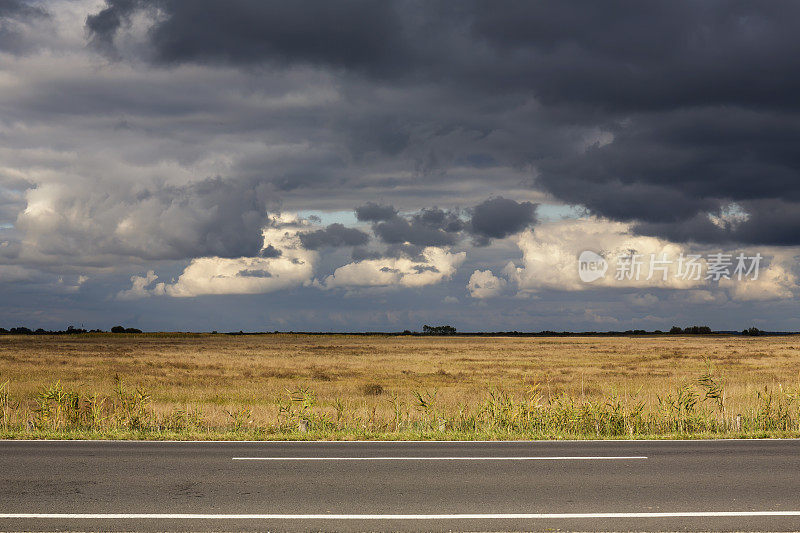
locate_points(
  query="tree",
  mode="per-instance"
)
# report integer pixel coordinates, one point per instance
(697, 330)
(122, 329)
(438, 330)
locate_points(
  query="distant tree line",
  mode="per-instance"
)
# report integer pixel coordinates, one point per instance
(429, 330)
(71, 330)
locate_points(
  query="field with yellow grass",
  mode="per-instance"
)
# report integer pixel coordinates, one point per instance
(341, 386)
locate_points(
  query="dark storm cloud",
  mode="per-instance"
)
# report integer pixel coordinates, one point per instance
(614, 54)
(698, 99)
(428, 227)
(497, 218)
(333, 235)
(399, 230)
(702, 111)
(372, 212)
(669, 170)
(651, 55)
(770, 222)
(18, 9)
(494, 218)
(104, 25)
(356, 34)
(14, 14)
(447, 221)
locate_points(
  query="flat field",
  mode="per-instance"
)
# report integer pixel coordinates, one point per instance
(342, 386)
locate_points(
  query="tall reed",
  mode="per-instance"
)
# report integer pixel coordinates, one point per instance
(691, 409)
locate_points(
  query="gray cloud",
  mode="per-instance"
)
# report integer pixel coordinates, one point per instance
(270, 252)
(617, 54)
(448, 221)
(428, 227)
(405, 250)
(394, 251)
(19, 9)
(14, 16)
(212, 217)
(372, 212)
(333, 235)
(360, 253)
(500, 217)
(104, 25)
(400, 230)
(12, 201)
(241, 31)
(494, 218)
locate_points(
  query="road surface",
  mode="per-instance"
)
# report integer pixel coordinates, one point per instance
(601, 485)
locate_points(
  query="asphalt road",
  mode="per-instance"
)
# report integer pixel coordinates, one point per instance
(609, 486)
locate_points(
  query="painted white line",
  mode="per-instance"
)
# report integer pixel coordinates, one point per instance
(467, 458)
(470, 516)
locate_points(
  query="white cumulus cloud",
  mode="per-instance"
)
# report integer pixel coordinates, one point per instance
(438, 265)
(484, 284)
(290, 265)
(550, 261)
(550, 256)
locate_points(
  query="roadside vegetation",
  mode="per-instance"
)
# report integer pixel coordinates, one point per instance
(340, 387)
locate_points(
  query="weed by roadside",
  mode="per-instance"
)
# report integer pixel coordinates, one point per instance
(695, 409)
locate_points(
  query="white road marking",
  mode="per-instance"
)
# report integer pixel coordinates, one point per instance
(465, 458)
(471, 516)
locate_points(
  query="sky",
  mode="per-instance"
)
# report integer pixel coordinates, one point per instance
(311, 165)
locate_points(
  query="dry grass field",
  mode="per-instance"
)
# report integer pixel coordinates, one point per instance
(377, 384)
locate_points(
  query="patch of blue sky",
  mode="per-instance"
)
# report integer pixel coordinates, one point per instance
(554, 212)
(347, 218)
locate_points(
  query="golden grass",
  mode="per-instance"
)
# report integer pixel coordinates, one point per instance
(222, 375)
